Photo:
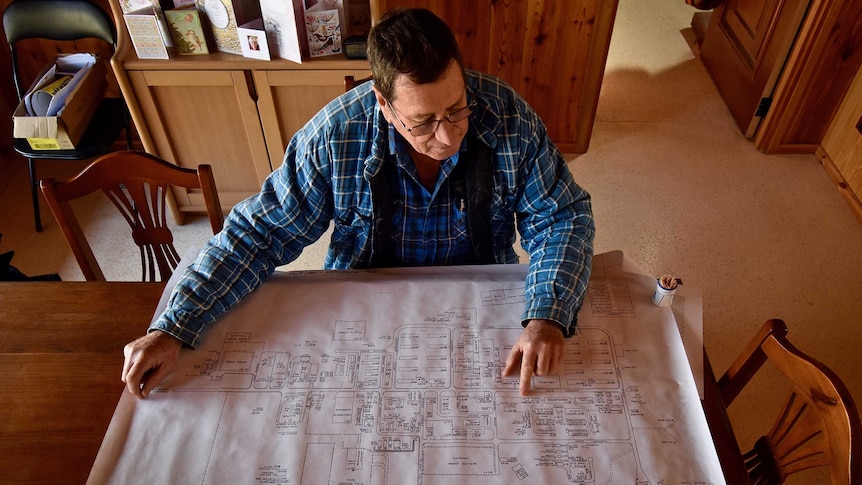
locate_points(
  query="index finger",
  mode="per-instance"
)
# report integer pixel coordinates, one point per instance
(526, 383)
(513, 361)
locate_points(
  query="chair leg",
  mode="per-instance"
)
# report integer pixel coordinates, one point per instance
(34, 191)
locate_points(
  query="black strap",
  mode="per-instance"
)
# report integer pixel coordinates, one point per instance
(383, 254)
(471, 180)
(479, 177)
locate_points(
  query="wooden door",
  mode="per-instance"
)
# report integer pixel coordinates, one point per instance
(744, 50)
(195, 117)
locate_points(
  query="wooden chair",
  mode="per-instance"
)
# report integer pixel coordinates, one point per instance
(59, 21)
(819, 424)
(137, 183)
(351, 82)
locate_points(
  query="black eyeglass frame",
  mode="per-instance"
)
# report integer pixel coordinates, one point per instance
(453, 117)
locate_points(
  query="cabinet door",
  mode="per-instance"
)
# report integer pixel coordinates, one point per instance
(196, 117)
(288, 99)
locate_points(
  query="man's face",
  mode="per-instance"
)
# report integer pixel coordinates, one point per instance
(415, 104)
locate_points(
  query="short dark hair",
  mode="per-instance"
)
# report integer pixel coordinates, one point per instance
(413, 42)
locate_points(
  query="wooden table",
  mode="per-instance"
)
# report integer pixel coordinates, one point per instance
(61, 354)
(60, 363)
(722, 432)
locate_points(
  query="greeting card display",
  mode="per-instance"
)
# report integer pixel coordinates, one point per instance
(187, 31)
(280, 20)
(323, 32)
(128, 6)
(224, 16)
(146, 33)
(321, 5)
(252, 38)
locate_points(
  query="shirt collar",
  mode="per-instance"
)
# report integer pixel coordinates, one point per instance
(484, 120)
(379, 143)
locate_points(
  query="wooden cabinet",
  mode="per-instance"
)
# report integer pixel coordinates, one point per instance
(195, 117)
(841, 149)
(239, 120)
(826, 54)
(234, 113)
(782, 67)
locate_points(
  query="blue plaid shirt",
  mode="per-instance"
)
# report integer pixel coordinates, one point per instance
(430, 227)
(325, 179)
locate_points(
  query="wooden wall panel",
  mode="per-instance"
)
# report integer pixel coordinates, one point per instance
(553, 52)
(555, 63)
(508, 32)
(841, 150)
(469, 22)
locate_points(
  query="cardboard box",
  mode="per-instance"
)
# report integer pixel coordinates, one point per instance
(63, 132)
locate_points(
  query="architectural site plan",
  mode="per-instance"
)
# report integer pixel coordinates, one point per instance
(394, 377)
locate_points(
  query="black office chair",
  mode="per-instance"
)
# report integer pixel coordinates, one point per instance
(65, 20)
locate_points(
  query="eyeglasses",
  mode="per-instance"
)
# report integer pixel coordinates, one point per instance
(430, 127)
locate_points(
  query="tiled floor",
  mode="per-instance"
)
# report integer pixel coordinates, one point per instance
(674, 185)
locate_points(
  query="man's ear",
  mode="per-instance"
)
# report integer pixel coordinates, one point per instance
(380, 99)
(382, 102)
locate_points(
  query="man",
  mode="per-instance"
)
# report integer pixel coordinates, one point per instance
(427, 165)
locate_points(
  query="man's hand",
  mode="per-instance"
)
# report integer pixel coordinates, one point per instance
(148, 360)
(538, 351)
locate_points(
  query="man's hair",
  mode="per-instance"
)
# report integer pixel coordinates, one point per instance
(413, 42)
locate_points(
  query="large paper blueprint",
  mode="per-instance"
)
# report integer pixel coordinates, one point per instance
(393, 377)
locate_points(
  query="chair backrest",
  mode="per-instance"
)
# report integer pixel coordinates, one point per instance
(58, 20)
(351, 82)
(819, 424)
(137, 183)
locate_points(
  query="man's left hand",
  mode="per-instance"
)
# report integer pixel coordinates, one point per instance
(538, 352)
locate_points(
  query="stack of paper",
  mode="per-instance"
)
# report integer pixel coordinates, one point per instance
(49, 96)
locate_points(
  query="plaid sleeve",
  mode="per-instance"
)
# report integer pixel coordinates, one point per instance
(557, 230)
(559, 240)
(262, 232)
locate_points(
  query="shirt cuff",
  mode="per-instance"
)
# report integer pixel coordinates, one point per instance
(177, 331)
(554, 310)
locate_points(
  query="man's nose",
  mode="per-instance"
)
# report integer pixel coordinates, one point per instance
(446, 133)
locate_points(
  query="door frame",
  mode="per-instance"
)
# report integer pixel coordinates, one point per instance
(798, 97)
